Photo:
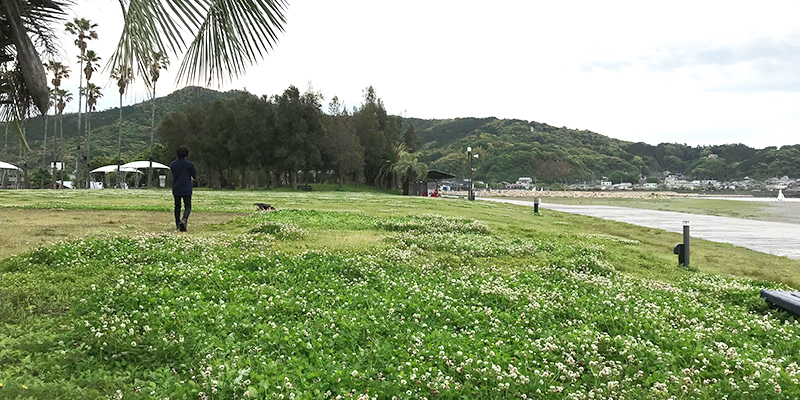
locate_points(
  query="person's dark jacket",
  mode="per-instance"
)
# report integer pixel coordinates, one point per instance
(182, 173)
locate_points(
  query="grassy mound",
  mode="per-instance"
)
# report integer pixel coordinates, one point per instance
(434, 307)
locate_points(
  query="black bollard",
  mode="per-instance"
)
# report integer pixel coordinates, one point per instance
(686, 243)
(535, 205)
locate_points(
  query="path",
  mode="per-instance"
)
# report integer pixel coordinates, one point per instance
(776, 238)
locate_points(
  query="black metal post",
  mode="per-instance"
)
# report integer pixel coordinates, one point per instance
(535, 205)
(686, 243)
(471, 196)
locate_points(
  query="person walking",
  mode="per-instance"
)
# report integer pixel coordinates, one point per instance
(183, 173)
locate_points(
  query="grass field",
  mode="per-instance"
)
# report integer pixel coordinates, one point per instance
(368, 295)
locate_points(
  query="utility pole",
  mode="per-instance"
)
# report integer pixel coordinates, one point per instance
(471, 194)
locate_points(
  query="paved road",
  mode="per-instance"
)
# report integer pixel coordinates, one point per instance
(768, 237)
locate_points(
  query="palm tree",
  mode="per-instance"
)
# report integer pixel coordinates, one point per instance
(389, 169)
(410, 170)
(229, 36)
(123, 76)
(158, 62)
(64, 97)
(59, 71)
(84, 30)
(50, 104)
(92, 93)
(92, 63)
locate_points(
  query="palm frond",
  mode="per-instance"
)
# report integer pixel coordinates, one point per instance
(40, 19)
(16, 103)
(228, 35)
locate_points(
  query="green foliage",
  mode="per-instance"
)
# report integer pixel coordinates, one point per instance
(40, 177)
(441, 307)
(621, 176)
(342, 150)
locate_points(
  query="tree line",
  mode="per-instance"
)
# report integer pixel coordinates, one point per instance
(286, 139)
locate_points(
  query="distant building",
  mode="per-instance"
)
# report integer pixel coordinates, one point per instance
(623, 186)
(525, 182)
(522, 183)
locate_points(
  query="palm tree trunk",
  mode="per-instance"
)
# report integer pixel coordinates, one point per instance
(60, 149)
(80, 103)
(26, 55)
(119, 144)
(18, 171)
(88, 134)
(152, 129)
(44, 148)
(80, 94)
(50, 167)
(77, 160)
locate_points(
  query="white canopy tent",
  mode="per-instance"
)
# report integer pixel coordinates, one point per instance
(4, 167)
(144, 165)
(113, 168)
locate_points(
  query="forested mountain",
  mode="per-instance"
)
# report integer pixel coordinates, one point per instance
(292, 131)
(510, 149)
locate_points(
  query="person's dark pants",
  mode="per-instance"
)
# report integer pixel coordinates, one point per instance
(187, 205)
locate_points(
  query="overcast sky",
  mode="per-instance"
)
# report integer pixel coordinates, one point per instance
(688, 72)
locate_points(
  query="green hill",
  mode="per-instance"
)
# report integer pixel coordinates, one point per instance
(511, 148)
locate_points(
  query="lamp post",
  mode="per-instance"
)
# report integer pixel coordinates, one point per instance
(471, 194)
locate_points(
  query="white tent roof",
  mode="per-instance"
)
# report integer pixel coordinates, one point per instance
(144, 164)
(5, 165)
(113, 168)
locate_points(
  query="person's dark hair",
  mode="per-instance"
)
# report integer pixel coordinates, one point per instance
(182, 152)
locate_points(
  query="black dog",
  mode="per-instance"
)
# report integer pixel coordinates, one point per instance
(264, 207)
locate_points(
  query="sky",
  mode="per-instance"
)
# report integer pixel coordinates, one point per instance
(700, 73)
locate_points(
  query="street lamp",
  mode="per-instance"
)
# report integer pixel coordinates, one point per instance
(471, 195)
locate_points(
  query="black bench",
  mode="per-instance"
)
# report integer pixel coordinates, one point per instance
(789, 301)
(304, 187)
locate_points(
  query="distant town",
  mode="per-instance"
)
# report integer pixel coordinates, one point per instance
(668, 181)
